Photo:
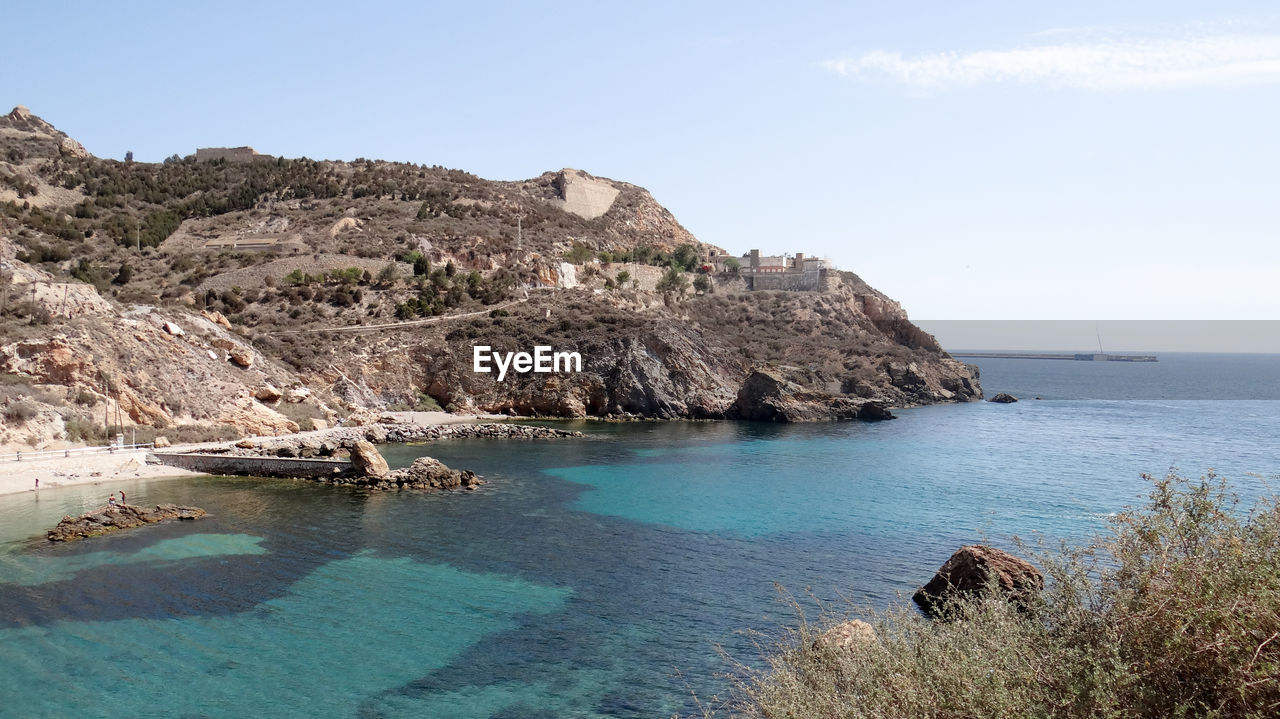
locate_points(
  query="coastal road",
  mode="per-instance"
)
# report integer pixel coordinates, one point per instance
(406, 323)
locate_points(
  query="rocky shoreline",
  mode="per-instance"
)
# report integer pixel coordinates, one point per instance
(124, 516)
(302, 456)
(338, 441)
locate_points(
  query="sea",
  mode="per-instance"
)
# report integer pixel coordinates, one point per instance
(625, 574)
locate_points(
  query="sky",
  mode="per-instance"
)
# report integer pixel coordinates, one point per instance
(974, 161)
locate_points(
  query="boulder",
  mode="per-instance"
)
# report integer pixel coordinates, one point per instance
(161, 442)
(267, 393)
(241, 357)
(1003, 398)
(368, 461)
(971, 569)
(847, 636)
(431, 473)
(296, 394)
(217, 318)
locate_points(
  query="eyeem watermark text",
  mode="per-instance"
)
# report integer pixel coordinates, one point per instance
(542, 361)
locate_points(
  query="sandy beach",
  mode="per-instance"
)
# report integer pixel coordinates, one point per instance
(54, 472)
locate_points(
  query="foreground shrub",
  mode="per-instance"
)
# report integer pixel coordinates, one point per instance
(1175, 612)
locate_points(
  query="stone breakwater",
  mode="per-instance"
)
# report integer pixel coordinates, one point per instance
(371, 471)
(339, 441)
(125, 516)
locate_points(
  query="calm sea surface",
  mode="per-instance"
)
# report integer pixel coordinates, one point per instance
(592, 577)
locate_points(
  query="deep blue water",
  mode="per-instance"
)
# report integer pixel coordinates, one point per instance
(588, 578)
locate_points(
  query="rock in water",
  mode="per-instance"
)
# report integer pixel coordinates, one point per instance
(109, 519)
(968, 572)
(1003, 398)
(431, 473)
(368, 461)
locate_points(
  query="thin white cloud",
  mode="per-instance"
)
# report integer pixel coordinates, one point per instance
(1120, 64)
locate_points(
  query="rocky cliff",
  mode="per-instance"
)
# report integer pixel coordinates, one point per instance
(264, 296)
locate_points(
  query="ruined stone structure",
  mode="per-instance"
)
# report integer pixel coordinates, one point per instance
(780, 273)
(230, 154)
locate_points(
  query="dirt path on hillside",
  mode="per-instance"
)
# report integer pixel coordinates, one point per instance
(406, 323)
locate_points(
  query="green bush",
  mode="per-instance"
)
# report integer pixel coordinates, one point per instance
(1175, 612)
(686, 257)
(20, 411)
(578, 254)
(83, 431)
(672, 281)
(427, 403)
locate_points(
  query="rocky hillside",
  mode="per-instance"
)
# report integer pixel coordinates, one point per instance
(226, 297)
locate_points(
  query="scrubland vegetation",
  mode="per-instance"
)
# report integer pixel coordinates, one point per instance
(1173, 612)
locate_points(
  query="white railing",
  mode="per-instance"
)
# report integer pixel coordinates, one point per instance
(71, 452)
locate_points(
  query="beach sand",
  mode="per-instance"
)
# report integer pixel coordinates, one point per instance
(56, 472)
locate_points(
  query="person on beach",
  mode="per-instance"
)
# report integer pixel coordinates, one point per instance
(122, 502)
(37, 483)
(111, 502)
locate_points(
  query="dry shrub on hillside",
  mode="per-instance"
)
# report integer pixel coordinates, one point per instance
(1174, 613)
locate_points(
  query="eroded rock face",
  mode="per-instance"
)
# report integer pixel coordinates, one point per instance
(767, 396)
(252, 417)
(968, 573)
(103, 520)
(584, 195)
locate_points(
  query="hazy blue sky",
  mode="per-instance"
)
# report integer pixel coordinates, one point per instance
(973, 160)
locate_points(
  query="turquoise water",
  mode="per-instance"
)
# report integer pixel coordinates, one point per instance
(588, 578)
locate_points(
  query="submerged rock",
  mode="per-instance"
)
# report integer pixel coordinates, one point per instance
(971, 570)
(109, 519)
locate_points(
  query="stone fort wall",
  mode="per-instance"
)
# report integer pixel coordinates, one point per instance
(230, 154)
(808, 280)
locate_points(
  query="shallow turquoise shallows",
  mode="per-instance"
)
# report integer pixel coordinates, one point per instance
(588, 578)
